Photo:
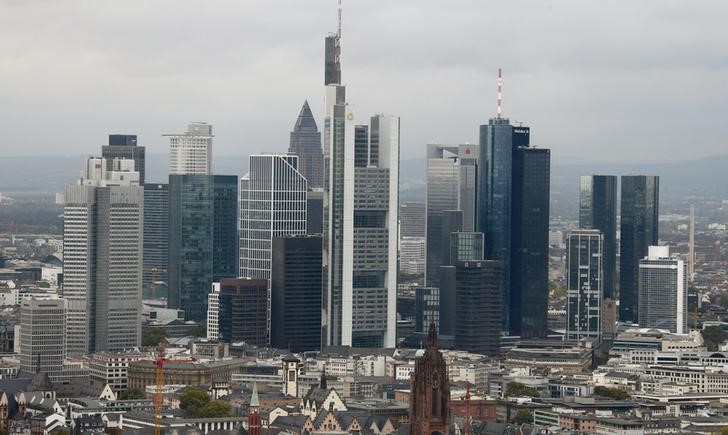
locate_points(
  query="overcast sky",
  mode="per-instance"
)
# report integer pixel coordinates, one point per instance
(603, 80)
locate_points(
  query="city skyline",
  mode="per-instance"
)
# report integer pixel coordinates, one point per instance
(577, 76)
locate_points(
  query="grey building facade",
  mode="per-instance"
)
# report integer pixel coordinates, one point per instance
(598, 210)
(663, 296)
(452, 184)
(306, 144)
(584, 281)
(42, 335)
(124, 146)
(412, 219)
(639, 226)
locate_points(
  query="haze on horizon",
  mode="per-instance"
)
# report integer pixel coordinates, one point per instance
(617, 81)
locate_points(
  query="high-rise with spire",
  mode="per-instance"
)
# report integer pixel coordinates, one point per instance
(306, 144)
(360, 219)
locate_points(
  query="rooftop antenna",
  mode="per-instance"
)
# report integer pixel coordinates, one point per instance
(500, 85)
(338, 30)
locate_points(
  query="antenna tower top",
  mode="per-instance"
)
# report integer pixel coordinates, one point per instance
(500, 85)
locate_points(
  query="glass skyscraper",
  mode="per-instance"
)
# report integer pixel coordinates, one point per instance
(156, 233)
(451, 185)
(529, 242)
(494, 218)
(225, 227)
(638, 230)
(584, 260)
(598, 210)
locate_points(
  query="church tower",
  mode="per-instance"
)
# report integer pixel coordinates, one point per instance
(430, 391)
(254, 420)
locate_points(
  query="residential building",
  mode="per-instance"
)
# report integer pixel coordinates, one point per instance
(598, 211)
(42, 333)
(190, 153)
(639, 223)
(663, 296)
(584, 273)
(296, 284)
(306, 144)
(103, 250)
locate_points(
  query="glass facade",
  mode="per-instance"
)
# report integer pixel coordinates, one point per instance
(191, 238)
(296, 281)
(663, 296)
(478, 306)
(638, 230)
(584, 273)
(598, 211)
(156, 233)
(530, 245)
(494, 221)
(427, 308)
(243, 311)
(225, 227)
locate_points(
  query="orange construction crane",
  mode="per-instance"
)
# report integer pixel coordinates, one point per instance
(161, 359)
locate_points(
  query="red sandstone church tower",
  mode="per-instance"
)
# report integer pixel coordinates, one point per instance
(254, 421)
(430, 391)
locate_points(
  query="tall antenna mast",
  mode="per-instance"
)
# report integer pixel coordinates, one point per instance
(500, 85)
(338, 30)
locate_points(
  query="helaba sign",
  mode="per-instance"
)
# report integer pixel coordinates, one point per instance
(521, 130)
(521, 136)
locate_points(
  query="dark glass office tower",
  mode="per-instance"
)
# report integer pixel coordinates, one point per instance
(124, 146)
(191, 210)
(156, 233)
(638, 230)
(427, 308)
(494, 220)
(315, 212)
(451, 224)
(530, 245)
(225, 227)
(244, 310)
(598, 211)
(306, 144)
(296, 280)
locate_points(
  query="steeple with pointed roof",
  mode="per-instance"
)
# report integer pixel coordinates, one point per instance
(254, 419)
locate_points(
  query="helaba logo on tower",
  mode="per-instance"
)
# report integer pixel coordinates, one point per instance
(521, 130)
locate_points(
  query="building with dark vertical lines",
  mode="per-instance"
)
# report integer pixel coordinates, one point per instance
(296, 280)
(243, 311)
(124, 146)
(315, 211)
(638, 231)
(598, 211)
(225, 227)
(530, 242)
(584, 271)
(156, 233)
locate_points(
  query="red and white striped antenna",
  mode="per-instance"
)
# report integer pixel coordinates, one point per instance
(500, 85)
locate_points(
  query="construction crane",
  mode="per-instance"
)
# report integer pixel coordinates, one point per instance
(161, 359)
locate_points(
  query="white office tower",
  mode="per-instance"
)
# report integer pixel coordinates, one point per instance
(42, 321)
(272, 204)
(213, 312)
(102, 253)
(584, 281)
(360, 216)
(412, 255)
(663, 296)
(190, 153)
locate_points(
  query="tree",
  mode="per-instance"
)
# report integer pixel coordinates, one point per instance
(714, 336)
(153, 337)
(213, 409)
(613, 393)
(131, 394)
(523, 416)
(193, 400)
(517, 389)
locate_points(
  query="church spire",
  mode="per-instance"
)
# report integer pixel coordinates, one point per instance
(432, 336)
(254, 419)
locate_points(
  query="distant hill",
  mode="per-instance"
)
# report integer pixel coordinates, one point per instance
(699, 178)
